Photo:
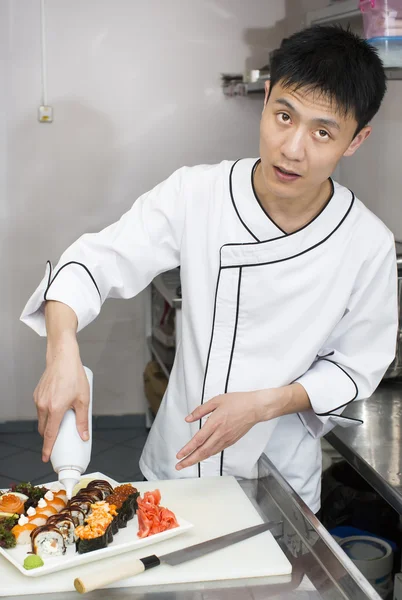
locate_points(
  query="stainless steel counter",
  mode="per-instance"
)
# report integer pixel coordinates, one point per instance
(320, 568)
(374, 448)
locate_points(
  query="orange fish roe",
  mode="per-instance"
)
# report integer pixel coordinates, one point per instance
(121, 493)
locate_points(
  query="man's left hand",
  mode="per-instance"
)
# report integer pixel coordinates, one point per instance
(231, 416)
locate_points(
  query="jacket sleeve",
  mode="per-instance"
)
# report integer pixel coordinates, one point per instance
(117, 262)
(360, 348)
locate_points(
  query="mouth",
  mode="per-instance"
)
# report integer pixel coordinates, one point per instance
(285, 175)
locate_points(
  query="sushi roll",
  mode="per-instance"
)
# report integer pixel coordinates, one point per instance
(76, 513)
(122, 520)
(89, 540)
(36, 519)
(93, 494)
(62, 495)
(102, 485)
(109, 534)
(65, 524)
(47, 511)
(83, 503)
(99, 529)
(115, 525)
(124, 498)
(57, 503)
(22, 533)
(48, 541)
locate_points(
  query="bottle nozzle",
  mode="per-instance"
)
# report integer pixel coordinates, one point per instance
(69, 479)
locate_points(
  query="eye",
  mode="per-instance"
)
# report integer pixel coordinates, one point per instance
(283, 117)
(322, 134)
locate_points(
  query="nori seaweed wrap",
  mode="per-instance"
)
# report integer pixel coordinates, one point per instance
(84, 546)
(115, 526)
(121, 520)
(109, 533)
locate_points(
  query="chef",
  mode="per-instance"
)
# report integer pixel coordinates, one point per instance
(288, 283)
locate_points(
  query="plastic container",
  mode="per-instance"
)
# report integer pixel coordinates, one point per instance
(381, 18)
(374, 558)
(389, 50)
(71, 455)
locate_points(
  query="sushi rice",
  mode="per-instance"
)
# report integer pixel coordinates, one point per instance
(48, 541)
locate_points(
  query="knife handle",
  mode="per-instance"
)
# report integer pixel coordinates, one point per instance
(101, 576)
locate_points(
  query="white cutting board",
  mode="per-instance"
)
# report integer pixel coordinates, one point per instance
(215, 506)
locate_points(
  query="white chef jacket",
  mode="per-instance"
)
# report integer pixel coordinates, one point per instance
(261, 309)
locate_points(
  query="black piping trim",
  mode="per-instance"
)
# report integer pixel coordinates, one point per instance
(325, 355)
(234, 203)
(329, 413)
(235, 330)
(50, 273)
(232, 351)
(271, 219)
(253, 170)
(272, 262)
(348, 419)
(338, 416)
(209, 354)
(73, 262)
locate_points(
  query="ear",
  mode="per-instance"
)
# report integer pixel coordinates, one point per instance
(358, 140)
(267, 89)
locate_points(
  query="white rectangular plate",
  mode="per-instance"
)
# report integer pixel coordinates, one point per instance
(126, 539)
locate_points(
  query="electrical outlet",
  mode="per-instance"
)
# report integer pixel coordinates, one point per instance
(45, 114)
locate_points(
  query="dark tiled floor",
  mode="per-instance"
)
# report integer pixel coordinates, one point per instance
(115, 451)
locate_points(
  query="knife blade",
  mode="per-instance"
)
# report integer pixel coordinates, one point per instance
(129, 567)
(193, 552)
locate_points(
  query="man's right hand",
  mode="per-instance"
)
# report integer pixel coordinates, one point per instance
(64, 383)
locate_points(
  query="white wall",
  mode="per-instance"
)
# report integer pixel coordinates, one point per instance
(136, 94)
(374, 173)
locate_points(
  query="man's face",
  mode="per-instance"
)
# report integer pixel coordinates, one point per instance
(302, 138)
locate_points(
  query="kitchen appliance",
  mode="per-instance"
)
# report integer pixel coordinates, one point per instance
(395, 369)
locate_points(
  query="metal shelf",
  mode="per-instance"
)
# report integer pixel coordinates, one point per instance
(259, 86)
(167, 284)
(155, 351)
(256, 87)
(394, 73)
(335, 13)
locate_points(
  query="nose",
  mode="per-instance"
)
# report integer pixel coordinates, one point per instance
(293, 147)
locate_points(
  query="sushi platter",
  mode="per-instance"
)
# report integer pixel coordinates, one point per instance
(102, 519)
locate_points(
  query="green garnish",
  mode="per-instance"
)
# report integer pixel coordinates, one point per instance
(34, 493)
(9, 522)
(33, 561)
(7, 539)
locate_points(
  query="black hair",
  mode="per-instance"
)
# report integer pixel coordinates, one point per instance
(336, 63)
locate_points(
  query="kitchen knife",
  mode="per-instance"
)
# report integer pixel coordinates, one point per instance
(128, 567)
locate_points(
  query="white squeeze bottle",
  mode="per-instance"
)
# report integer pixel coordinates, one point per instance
(71, 455)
